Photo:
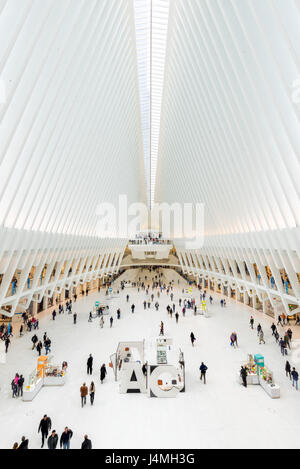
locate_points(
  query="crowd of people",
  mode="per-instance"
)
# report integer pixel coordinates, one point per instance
(53, 439)
(153, 287)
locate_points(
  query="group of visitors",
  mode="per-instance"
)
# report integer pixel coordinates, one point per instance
(38, 344)
(17, 386)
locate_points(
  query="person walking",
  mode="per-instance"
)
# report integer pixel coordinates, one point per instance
(52, 440)
(34, 340)
(161, 332)
(20, 385)
(282, 346)
(87, 444)
(288, 370)
(258, 329)
(261, 337)
(66, 438)
(14, 388)
(101, 322)
(177, 317)
(103, 373)
(83, 393)
(111, 321)
(132, 308)
(44, 427)
(252, 322)
(203, 370)
(47, 345)
(7, 343)
(279, 321)
(74, 318)
(193, 338)
(90, 365)
(295, 378)
(233, 340)
(39, 348)
(244, 374)
(92, 392)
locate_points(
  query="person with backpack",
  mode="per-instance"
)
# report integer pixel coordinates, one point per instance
(203, 370)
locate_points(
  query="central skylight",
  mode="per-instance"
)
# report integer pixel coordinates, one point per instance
(151, 18)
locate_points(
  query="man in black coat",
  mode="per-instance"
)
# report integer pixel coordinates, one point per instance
(24, 443)
(87, 444)
(44, 427)
(244, 376)
(90, 365)
(203, 370)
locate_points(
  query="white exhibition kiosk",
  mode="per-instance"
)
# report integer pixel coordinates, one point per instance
(46, 374)
(164, 368)
(260, 375)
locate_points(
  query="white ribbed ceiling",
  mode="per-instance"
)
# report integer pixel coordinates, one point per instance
(70, 122)
(230, 134)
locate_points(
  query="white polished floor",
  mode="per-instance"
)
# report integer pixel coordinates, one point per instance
(221, 414)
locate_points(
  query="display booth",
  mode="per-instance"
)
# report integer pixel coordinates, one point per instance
(202, 309)
(100, 309)
(46, 374)
(164, 368)
(259, 374)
